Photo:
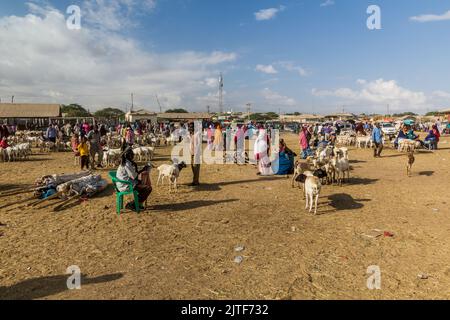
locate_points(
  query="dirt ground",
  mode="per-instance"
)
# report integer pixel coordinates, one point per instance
(183, 247)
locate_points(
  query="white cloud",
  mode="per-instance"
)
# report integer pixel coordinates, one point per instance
(269, 69)
(441, 94)
(431, 17)
(46, 62)
(327, 3)
(378, 93)
(115, 14)
(290, 66)
(276, 99)
(268, 14)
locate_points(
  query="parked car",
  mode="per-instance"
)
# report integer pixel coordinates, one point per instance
(388, 129)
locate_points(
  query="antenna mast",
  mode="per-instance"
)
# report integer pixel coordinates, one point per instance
(221, 84)
(160, 107)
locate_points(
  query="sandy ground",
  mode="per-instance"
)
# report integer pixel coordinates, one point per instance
(183, 247)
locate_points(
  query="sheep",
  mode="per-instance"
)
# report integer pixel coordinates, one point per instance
(172, 172)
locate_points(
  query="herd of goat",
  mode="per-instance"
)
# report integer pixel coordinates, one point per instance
(22, 142)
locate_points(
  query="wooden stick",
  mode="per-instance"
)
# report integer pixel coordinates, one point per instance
(58, 208)
(13, 193)
(56, 195)
(16, 202)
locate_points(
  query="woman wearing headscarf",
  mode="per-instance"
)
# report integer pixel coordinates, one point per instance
(261, 156)
(432, 139)
(128, 171)
(304, 143)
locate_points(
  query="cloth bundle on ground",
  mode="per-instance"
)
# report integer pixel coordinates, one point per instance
(284, 164)
(83, 186)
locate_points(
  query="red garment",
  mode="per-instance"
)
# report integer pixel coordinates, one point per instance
(437, 134)
(4, 144)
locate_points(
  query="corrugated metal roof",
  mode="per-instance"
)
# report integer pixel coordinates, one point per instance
(28, 110)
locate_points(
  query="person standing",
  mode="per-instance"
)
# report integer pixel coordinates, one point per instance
(304, 143)
(377, 137)
(196, 151)
(94, 137)
(51, 133)
(83, 151)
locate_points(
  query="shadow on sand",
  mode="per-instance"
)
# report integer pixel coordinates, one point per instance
(426, 173)
(191, 205)
(343, 201)
(39, 288)
(217, 186)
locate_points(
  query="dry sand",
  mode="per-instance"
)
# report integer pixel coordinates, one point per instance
(183, 247)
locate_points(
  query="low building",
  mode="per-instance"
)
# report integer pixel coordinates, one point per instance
(141, 115)
(177, 117)
(341, 117)
(28, 114)
(303, 118)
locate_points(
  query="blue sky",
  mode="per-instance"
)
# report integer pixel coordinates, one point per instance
(280, 55)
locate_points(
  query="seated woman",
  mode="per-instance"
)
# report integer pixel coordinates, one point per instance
(128, 171)
(405, 133)
(286, 159)
(431, 141)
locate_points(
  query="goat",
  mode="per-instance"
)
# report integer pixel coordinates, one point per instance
(299, 168)
(172, 172)
(312, 191)
(411, 160)
(341, 166)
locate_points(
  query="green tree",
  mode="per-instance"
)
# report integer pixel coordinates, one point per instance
(405, 114)
(177, 111)
(109, 113)
(75, 110)
(433, 113)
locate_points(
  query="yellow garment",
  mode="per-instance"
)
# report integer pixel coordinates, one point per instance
(218, 137)
(83, 149)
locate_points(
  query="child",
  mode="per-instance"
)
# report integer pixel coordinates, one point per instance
(83, 149)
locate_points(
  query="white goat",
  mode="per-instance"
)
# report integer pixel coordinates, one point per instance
(312, 192)
(172, 172)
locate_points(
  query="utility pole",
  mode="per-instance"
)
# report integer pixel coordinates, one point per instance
(209, 109)
(388, 113)
(12, 99)
(249, 107)
(132, 102)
